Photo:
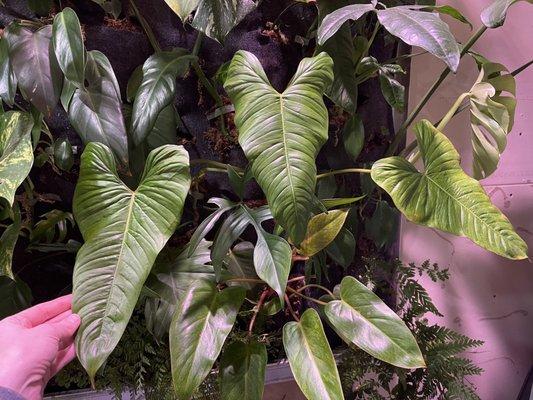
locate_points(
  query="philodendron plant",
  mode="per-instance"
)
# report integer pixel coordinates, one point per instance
(134, 182)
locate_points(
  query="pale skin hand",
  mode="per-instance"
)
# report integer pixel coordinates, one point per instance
(35, 344)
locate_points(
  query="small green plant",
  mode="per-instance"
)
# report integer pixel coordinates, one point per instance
(446, 375)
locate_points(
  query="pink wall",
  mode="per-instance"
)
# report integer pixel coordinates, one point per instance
(488, 297)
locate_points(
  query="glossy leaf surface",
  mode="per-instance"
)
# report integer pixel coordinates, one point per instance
(322, 230)
(362, 318)
(422, 29)
(16, 152)
(281, 133)
(203, 319)
(8, 80)
(333, 21)
(215, 18)
(95, 112)
(311, 358)
(157, 89)
(68, 46)
(8, 240)
(242, 371)
(343, 90)
(446, 198)
(124, 230)
(35, 66)
(494, 15)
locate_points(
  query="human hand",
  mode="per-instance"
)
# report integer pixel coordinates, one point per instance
(35, 344)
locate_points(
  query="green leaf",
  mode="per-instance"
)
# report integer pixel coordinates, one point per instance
(353, 136)
(165, 129)
(343, 90)
(360, 317)
(124, 230)
(494, 15)
(393, 91)
(54, 224)
(15, 296)
(444, 197)
(281, 133)
(242, 371)
(322, 230)
(8, 80)
(382, 228)
(66, 93)
(133, 83)
(157, 89)
(170, 278)
(16, 152)
(95, 112)
(272, 255)
(240, 263)
(450, 11)
(113, 7)
(335, 20)
(63, 154)
(422, 29)
(311, 359)
(68, 46)
(215, 18)
(35, 66)
(8, 240)
(203, 319)
(342, 249)
(491, 116)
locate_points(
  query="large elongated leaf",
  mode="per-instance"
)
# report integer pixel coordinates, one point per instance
(203, 319)
(157, 89)
(8, 80)
(242, 371)
(336, 19)
(492, 109)
(494, 15)
(311, 359)
(95, 112)
(360, 317)
(35, 66)
(343, 90)
(215, 18)
(124, 230)
(8, 240)
(16, 152)
(68, 46)
(422, 29)
(444, 197)
(281, 133)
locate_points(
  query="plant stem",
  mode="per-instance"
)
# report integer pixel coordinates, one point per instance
(372, 37)
(262, 299)
(325, 289)
(322, 303)
(451, 113)
(522, 68)
(149, 32)
(245, 280)
(198, 43)
(344, 171)
(289, 306)
(402, 131)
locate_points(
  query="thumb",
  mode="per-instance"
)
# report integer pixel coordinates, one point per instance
(65, 329)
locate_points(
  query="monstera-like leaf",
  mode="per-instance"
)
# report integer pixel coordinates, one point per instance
(311, 359)
(443, 196)
(215, 18)
(492, 115)
(281, 133)
(156, 90)
(35, 66)
(362, 318)
(95, 111)
(203, 319)
(414, 25)
(124, 230)
(16, 152)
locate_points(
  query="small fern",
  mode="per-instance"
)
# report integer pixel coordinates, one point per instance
(364, 377)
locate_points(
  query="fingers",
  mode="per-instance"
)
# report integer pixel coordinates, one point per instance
(64, 357)
(42, 312)
(60, 317)
(63, 330)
